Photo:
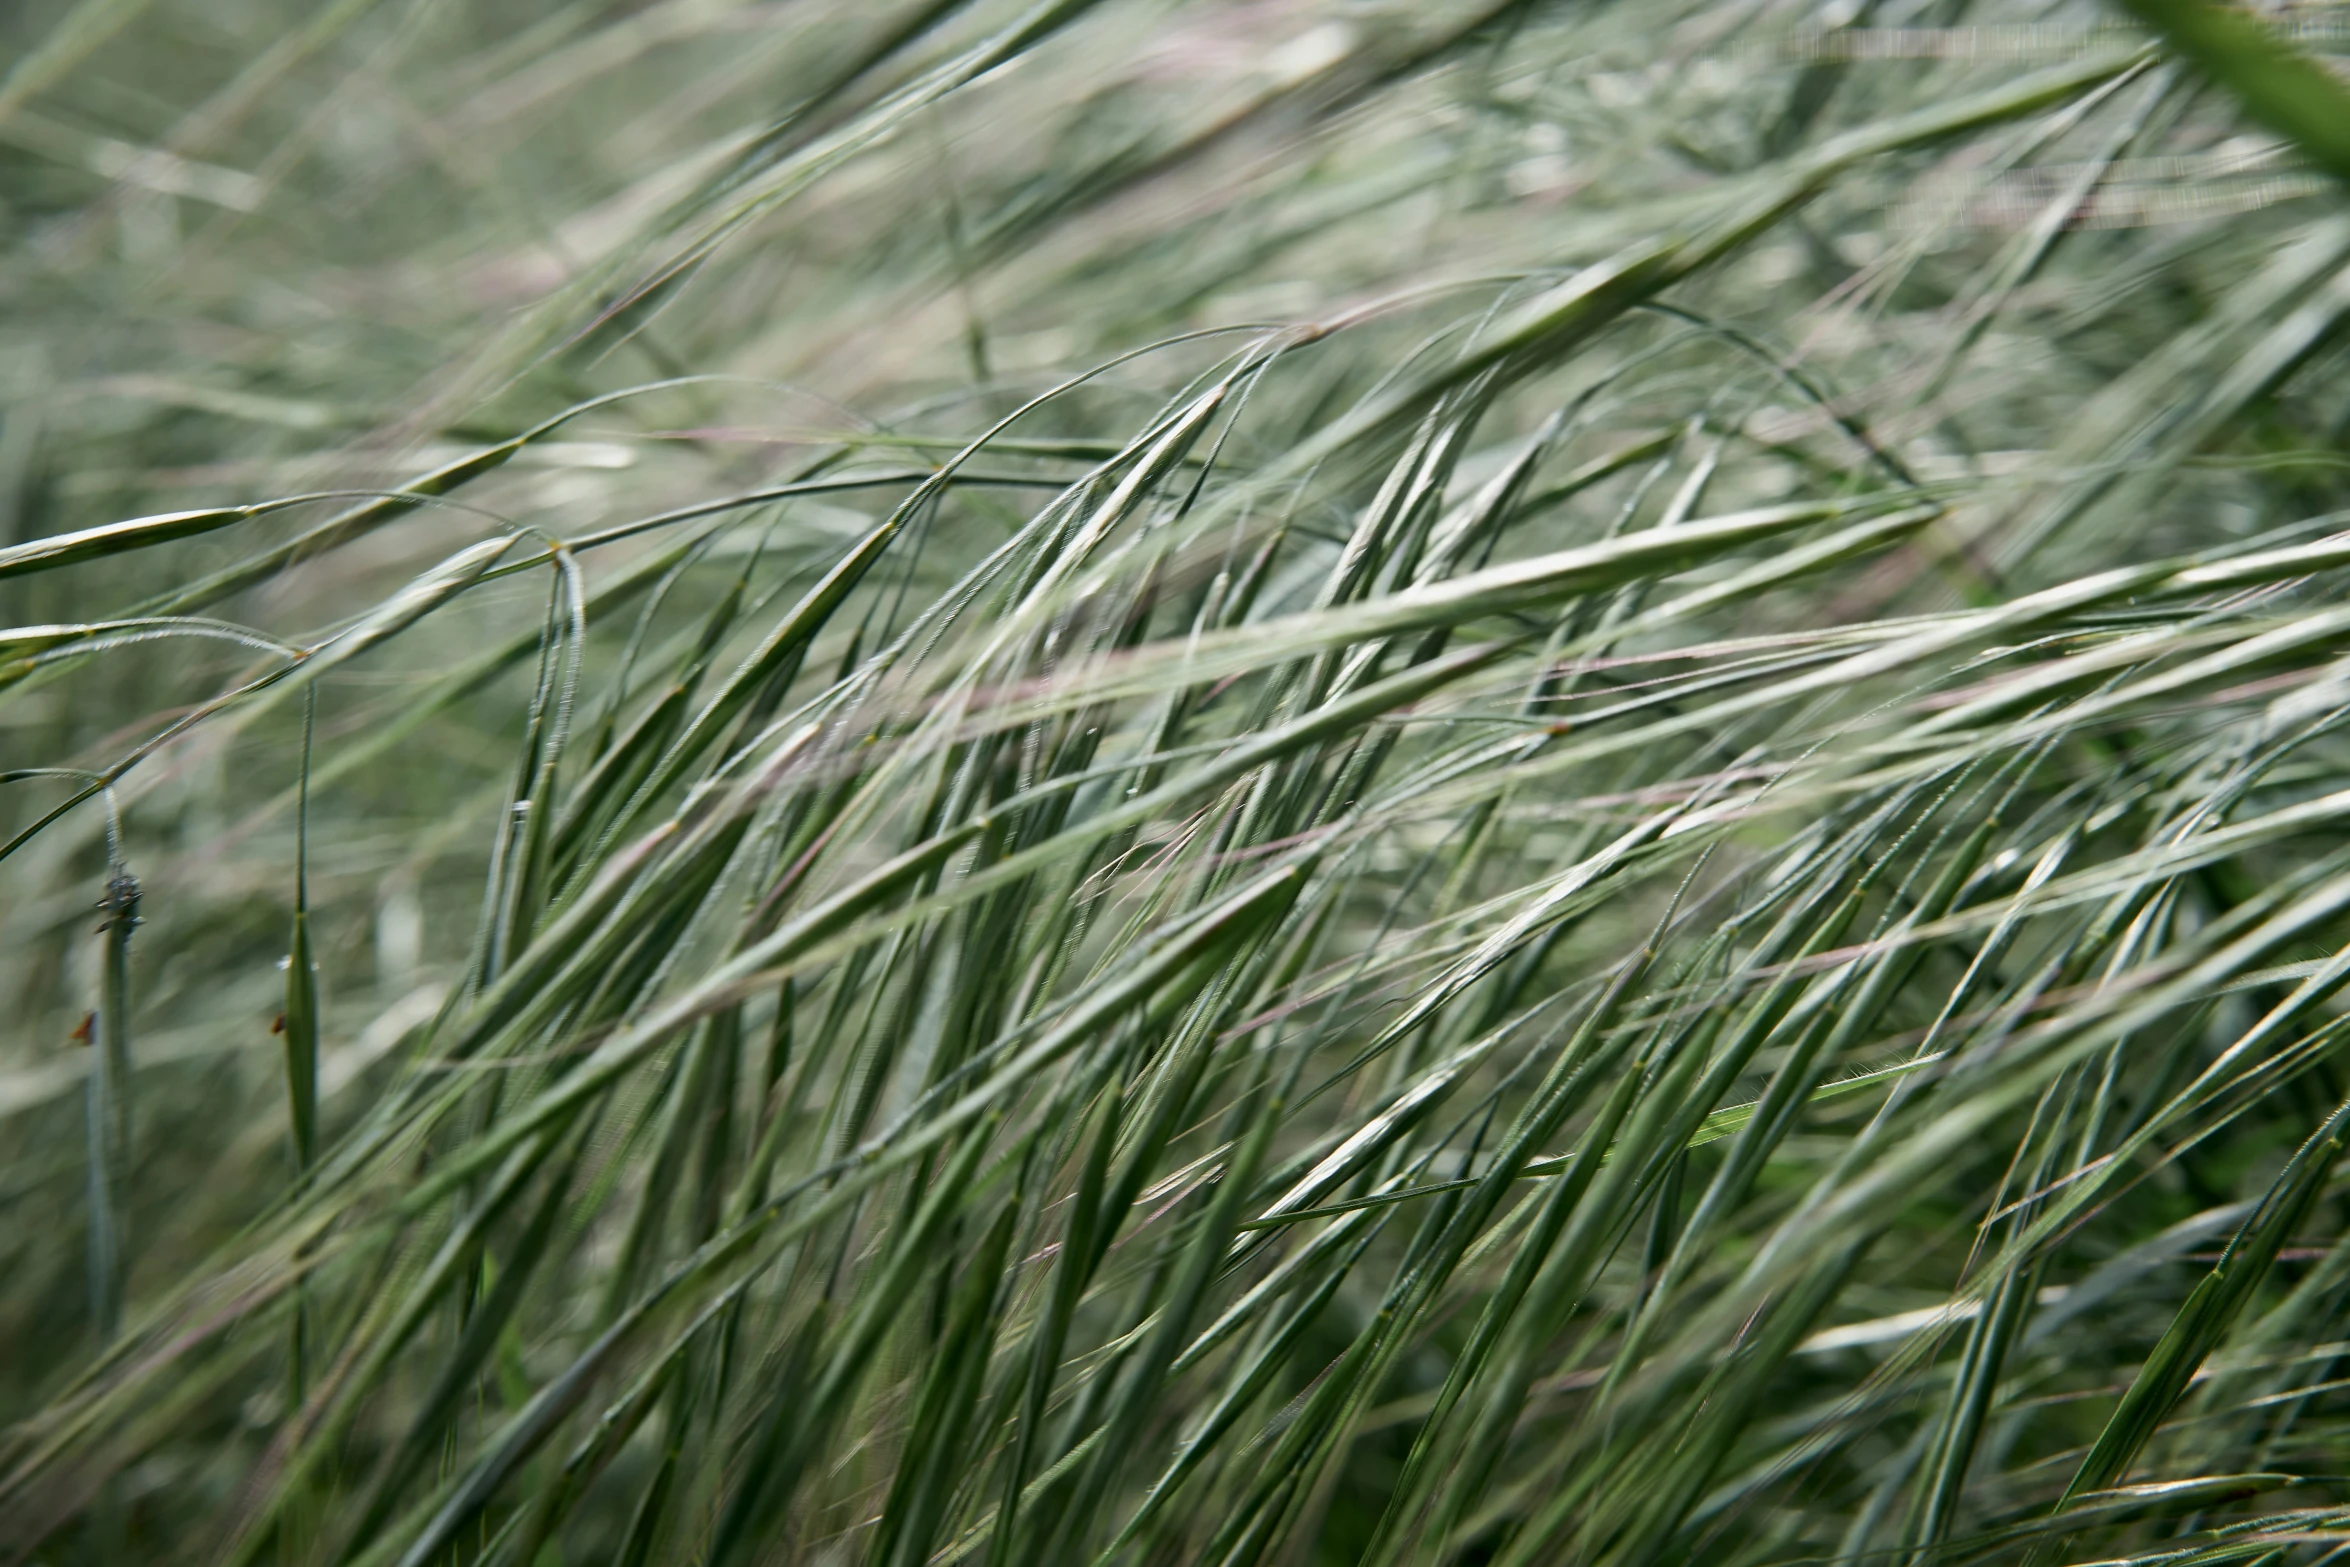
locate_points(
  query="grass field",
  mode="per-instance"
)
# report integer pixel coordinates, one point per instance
(1268, 781)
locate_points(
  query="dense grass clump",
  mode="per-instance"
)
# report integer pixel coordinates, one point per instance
(1364, 782)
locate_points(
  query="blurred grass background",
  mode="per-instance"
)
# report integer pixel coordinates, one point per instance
(1326, 311)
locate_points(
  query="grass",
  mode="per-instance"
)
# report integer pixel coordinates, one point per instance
(1116, 783)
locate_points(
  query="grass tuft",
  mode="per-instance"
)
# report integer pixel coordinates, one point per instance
(1375, 783)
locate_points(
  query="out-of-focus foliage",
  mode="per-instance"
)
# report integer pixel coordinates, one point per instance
(1227, 783)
